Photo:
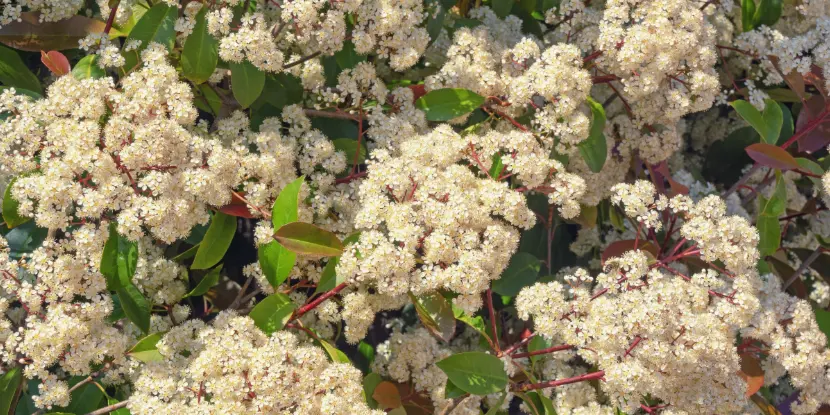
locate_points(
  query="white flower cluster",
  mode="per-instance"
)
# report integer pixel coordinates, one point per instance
(49, 10)
(230, 366)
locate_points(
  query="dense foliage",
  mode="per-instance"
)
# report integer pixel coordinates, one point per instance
(414, 207)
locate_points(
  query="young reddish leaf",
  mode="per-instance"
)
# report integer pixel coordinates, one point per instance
(819, 136)
(56, 62)
(618, 248)
(677, 188)
(751, 373)
(387, 396)
(417, 91)
(305, 238)
(771, 156)
(241, 211)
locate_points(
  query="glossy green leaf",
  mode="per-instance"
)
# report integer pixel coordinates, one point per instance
(88, 68)
(208, 100)
(201, 51)
(329, 278)
(496, 167)
(119, 411)
(109, 259)
(126, 260)
(448, 103)
(435, 19)
(216, 242)
(767, 13)
(157, 25)
(594, 149)
(475, 372)
(208, 281)
(475, 322)
(335, 354)
(10, 206)
(347, 58)
(275, 260)
(502, 7)
(538, 342)
(811, 167)
(271, 314)
(451, 391)
(247, 82)
(283, 89)
(145, 349)
(747, 15)
(307, 239)
(135, 306)
(788, 125)
(285, 209)
(520, 272)
(435, 313)
(15, 73)
(190, 253)
(8, 388)
(769, 227)
(349, 147)
(768, 124)
(24, 239)
(85, 399)
(823, 320)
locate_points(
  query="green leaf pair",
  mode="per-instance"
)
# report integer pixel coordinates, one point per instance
(118, 264)
(766, 13)
(768, 124)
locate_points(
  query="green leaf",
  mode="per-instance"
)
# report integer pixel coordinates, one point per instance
(502, 7)
(15, 73)
(334, 353)
(109, 259)
(451, 391)
(367, 351)
(435, 20)
(135, 306)
(307, 239)
(247, 82)
(497, 407)
(448, 103)
(768, 124)
(771, 156)
(788, 125)
(88, 67)
(209, 99)
(329, 278)
(10, 205)
(747, 15)
(126, 260)
(476, 322)
(769, 227)
(812, 167)
(190, 253)
(475, 372)
(370, 382)
(435, 312)
(271, 314)
(725, 158)
(86, 399)
(208, 281)
(538, 342)
(283, 89)
(275, 260)
(347, 58)
(201, 51)
(8, 388)
(767, 13)
(496, 167)
(217, 241)
(145, 350)
(823, 320)
(24, 239)
(594, 149)
(520, 272)
(349, 147)
(157, 25)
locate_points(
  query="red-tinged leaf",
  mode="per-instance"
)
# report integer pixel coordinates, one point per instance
(752, 373)
(241, 211)
(676, 187)
(618, 248)
(387, 395)
(417, 91)
(771, 156)
(816, 78)
(32, 35)
(819, 136)
(414, 402)
(56, 62)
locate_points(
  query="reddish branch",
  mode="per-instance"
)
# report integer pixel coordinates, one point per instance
(543, 351)
(492, 312)
(559, 382)
(111, 18)
(312, 305)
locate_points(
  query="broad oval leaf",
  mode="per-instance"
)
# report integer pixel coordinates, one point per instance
(767, 13)
(475, 372)
(10, 205)
(387, 396)
(819, 136)
(747, 15)
(752, 373)
(109, 259)
(768, 124)
(201, 51)
(88, 67)
(370, 382)
(520, 272)
(14, 73)
(145, 349)
(502, 7)
(448, 103)
(435, 312)
(157, 25)
(594, 149)
(285, 209)
(8, 388)
(32, 35)
(216, 242)
(56, 62)
(307, 239)
(276, 262)
(135, 306)
(247, 82)
(208, 281)
(771, 156)
(271, 314)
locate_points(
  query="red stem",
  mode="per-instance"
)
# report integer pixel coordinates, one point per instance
(560, 382)
(492, 312)
(543, 351)
(310, 306)
(111, 18)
